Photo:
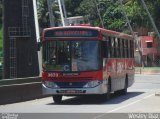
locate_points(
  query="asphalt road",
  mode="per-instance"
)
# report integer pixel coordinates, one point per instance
(142, 97)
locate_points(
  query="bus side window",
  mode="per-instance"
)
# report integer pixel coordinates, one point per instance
(132, 48)
(112, 47)
(123, 47)
(119, 49)
(117, 52)
(109, 47)
(105, 49)
(127, 49)
(115, 47)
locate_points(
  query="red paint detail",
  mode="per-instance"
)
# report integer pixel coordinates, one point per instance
(115, 67)
(83, 76)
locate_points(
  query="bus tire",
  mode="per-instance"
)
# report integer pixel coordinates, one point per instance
(124, 91)
(108, 94)
(57, 98)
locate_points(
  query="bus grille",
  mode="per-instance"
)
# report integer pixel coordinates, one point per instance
(71, 84)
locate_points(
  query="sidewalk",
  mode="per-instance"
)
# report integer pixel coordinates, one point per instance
(147, 70)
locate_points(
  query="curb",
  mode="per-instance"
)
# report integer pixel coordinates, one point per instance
(147, 71)
(157, 94)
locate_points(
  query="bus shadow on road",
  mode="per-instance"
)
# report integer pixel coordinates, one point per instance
(95, 99)
(117, 98)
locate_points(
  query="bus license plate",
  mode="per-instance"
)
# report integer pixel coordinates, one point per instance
(71, 91)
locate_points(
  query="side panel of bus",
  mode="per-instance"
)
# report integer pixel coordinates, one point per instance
(118, 61)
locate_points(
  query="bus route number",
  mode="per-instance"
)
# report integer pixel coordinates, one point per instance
(52, 74)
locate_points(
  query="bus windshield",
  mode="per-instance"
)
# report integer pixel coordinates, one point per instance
(71, 55)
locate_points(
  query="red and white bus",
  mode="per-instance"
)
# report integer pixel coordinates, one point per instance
(85, 60)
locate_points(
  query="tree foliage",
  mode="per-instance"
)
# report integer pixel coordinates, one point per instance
(43, 16)
(110, 11)
(72, 7)
(87, 9)
(113, 16)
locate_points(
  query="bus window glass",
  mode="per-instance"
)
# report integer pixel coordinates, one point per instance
(119, 49)
(112, 47)
(123, 45)
(105, 49)
(132, 48)
(116, 48)
(109, 47)
(127, 50)
(129, 47)
(87, 57)
(71, 55)
(56, 55)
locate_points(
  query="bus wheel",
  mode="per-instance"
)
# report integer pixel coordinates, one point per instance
(124, 91)
(57, 98)
(108, 95)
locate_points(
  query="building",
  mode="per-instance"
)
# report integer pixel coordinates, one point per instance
(77, 20)
(148, 48)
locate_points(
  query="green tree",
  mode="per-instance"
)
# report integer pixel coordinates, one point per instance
(109, 10)
(43, 13)
(113, 16)
(88, 9)
(43, 16)
(138, 16)
(72, 7)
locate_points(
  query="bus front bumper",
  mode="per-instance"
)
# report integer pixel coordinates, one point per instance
(99, 89)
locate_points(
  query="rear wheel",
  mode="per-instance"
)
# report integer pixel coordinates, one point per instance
(108, 94)
(124, 91)
(57, 98)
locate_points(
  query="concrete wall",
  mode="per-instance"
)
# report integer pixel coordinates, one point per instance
(17, 91)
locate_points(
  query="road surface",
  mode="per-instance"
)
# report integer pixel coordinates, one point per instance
(142, 97)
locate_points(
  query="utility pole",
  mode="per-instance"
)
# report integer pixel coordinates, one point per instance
(64, 9)
(125, 15)
(99, 14)
(61, 12)
(151, 19)
(51, 17)
(64, 12)
(133, 34)
(37, 37)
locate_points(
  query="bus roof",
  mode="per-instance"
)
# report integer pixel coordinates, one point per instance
(101, 30)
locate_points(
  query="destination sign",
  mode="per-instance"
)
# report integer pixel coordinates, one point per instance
(71, 33)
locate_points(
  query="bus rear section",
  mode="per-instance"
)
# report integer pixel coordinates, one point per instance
(73, 63)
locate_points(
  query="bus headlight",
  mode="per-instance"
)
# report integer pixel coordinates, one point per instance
(50, 84)
(92, 84)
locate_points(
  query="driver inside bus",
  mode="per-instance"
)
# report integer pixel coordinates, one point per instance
(62, 57)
